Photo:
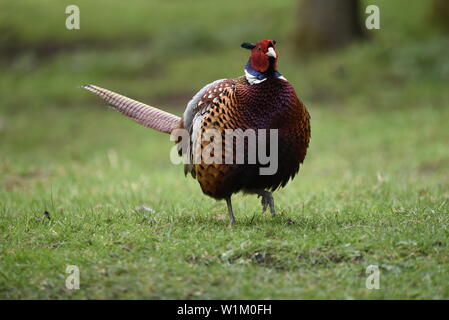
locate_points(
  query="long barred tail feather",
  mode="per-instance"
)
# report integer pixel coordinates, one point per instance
(141, 113)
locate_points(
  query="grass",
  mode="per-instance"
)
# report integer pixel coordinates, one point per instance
(373, 189)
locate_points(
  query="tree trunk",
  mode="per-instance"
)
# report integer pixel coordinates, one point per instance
(440, 14)
(328, 24)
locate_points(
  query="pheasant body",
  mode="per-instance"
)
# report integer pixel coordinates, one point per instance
(236, 104)
(260, 100)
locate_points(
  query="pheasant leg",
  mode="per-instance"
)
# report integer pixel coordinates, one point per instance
(267, 199)
(231, 215)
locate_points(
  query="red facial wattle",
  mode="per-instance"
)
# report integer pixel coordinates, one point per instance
(259, 59)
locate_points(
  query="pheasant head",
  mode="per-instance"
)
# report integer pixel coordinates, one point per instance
(263, 55)
(263, 61)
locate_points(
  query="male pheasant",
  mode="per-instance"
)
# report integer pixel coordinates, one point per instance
(261, 99)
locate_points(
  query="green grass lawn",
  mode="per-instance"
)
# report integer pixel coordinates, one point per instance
(372, 191)
(360, 199)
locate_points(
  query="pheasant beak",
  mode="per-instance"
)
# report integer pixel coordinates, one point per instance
(271, 53)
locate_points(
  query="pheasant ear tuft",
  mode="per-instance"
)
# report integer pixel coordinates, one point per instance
(248, 45)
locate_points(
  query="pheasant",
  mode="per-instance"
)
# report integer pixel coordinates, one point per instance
(262, 99)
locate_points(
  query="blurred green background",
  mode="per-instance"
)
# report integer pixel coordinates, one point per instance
(164, 51)
(378, 159)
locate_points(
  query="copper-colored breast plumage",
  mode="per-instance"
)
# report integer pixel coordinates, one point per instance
(235, 104)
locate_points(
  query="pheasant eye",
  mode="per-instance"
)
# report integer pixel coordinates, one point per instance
(259, 49)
